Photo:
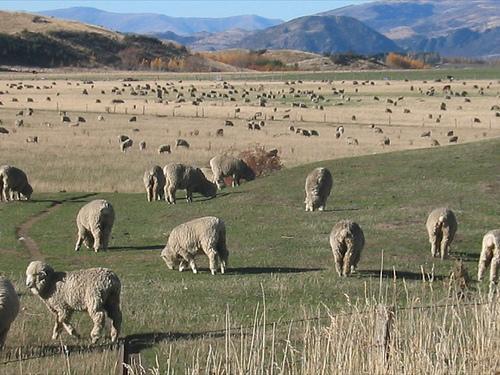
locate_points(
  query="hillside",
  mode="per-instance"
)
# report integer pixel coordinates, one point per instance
(152, 23)
(428, 18)
(327, 34)
(38, 41)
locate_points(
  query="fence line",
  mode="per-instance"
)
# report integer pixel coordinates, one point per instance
(127, 346)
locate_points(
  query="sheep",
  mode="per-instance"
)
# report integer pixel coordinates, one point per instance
(347, 241)
(154, 182)
(426, 134)
(204, 235)
(181, 143)
(164, 149)
(95, 290)
(352, 141)
(229, 166)
(490, 254)
(142, 145)
(122, 138)
(94, 222)
(180, 176)
(441, 227)
(219, 133)
(14, 184)
(318, 186)
(9, 308)
(126, 144)
(32, 139)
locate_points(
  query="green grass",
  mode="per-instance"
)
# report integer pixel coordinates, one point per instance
(475, 73)
(276, 248)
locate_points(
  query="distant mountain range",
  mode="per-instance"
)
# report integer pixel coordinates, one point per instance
(145, 23)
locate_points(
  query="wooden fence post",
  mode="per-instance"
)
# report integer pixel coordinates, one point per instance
(384, 317)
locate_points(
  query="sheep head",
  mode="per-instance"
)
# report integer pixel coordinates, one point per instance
(171, 259)
(247, 173)
(27, 191)
(38, 276)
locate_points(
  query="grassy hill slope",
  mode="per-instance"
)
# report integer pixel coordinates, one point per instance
(275, 247)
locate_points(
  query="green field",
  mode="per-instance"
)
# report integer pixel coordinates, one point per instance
(276, 248)
(472, 73)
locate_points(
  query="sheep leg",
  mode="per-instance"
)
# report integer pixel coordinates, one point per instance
(98, 316)
(189, 196)
(79, 240)
(115, 314)
(149, 193)
(484, 261)
(96, 234)
(6, 193)
(445, 245)
(236, 180)
(171, 195)
(212, 259)
(433, 239)
(105, 234)
(57, 329)
(183, 264)
(64, 319)
(495, 268)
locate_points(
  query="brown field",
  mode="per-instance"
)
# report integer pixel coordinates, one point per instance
(87, 157)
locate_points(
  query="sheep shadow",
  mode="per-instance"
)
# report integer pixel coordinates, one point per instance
(125, 248)
(389, 274)
(268, 270)
(346, 209)
(466, 257)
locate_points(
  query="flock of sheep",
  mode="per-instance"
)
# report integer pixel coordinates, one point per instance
(97, 290)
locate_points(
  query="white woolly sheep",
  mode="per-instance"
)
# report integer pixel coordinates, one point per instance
(9, 308)
(180, 177)
(14, 184)
(154, 182)
(490, 255)
(318, 186)
(229, 166)
(441, 227)
(347, 241)
(204, 235)
(94, 222)
(95, 290)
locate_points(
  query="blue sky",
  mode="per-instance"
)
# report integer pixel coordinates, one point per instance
(284, 9)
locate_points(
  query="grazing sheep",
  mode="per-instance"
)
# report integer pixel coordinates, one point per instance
(490, 254)
(318, 186)
(453, 139)
(3, 130)
(9, 308)
(386, 141)
(426, 134)
(180, 176)
(94, 222)
(32, 139)
(126, 144)
(228, 123)
(14, 184)
(154, 182)
(340, 129)
(347, 241)
(122, 138)
(95, 290)
(65, 119)
(164, 149)
(352, 141)
(133, 119)
(204, 235)
(441, 227)
(229, 166)
(142, 145)
(219, 132)
(181, 143)
(19, 123)
(434, 142)
(100, 118)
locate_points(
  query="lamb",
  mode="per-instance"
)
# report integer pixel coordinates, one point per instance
(229, 166)
(9, 308)
(204, 235)
(318, 186)
(95, 290)
(14, 184)
(180, 176)
(490, 254)
(441, 227)
(154, 182)
(94, 222)
(347, 241)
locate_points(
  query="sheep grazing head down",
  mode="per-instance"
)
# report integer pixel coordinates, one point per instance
(38, 276)
(171, 259)
(27, 191)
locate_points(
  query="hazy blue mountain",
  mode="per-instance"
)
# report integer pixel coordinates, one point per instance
(323, 34)
(155, 23)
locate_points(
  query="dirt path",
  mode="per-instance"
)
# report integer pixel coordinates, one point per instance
(22, 231)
